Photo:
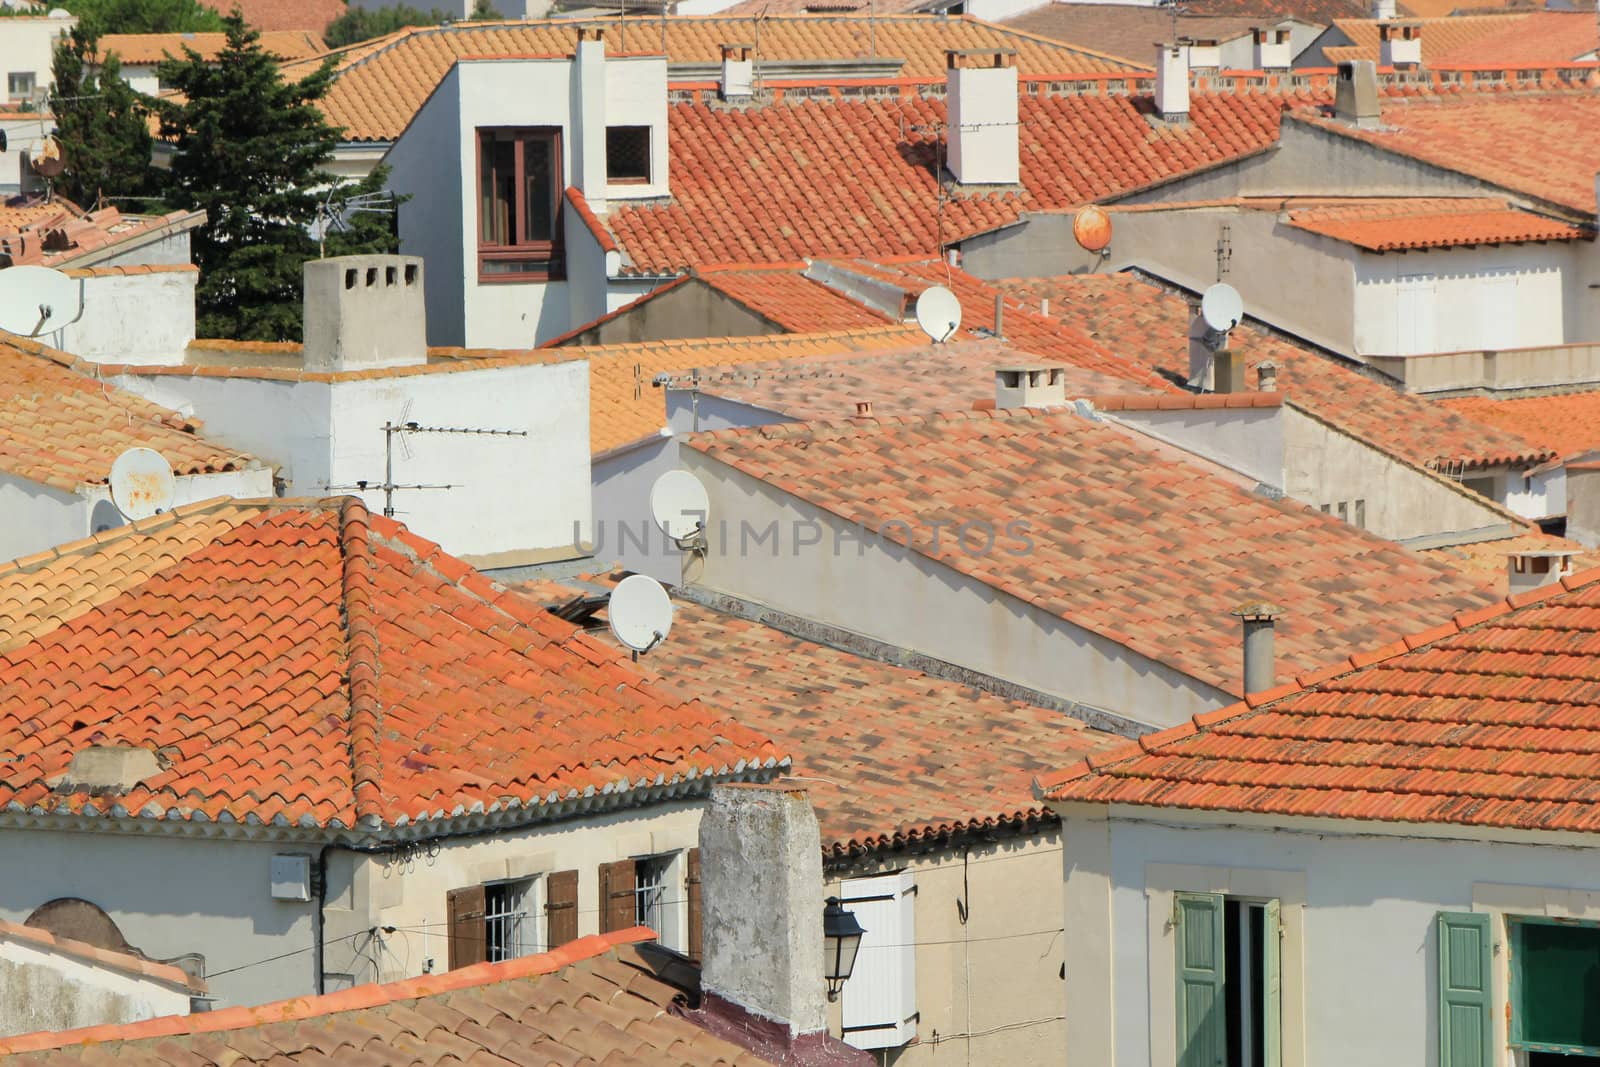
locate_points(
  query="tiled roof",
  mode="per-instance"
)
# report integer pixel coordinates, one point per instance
(892, 757)
(94, 955)
(306, 663)
(63, 429)
(1440, 36)
(1486, 561)
(1189, 542)
(381, 86)
(1568, 424)
(594, 1000)
(1316, 12)
(625, 408)
(266, 15)
(1128, 30)
(854, 177)
(1138, 319)
(1490, 720)
(144, 48)
(1538, 144)
(780, 293)
(1400, 223)
(56, 233)
(1542, 37)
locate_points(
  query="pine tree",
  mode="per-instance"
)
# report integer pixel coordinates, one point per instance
(103, 127)
(251, 151)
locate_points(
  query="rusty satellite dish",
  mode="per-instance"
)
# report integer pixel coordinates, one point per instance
(142, 483)
(47, 160)
(1091, 228)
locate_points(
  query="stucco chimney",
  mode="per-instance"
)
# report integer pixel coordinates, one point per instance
(1172, 82)
(1384, 9)
(1273, 50)
(1534, 570)
(589, 117)
(981, 116)
(1260, 619)
(1267, 376)
(738, 72)
(364, 312)
(1030, 385)
(1205, 54)
(1400, 44)
(1356, 96)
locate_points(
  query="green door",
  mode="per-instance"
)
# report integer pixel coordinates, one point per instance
(1202, 1027)
(1464, 989)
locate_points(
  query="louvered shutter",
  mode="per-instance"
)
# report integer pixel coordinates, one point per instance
(464, 913)
(879, 1001)
(561, 908)
(618, 910)
(1202, 1027)
(1464, 969)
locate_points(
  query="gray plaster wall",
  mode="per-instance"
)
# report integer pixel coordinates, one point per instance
(1583, 505)
(693, 309)
(49, 990)
(425, 165)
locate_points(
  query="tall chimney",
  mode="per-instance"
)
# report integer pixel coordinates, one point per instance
(364, 312)
(1400, 44)
(1259, 618)
(738, 72)
(1384, 9)
(589, 116)
(1273, 50)
(1172, 82)
(1355, 97)
(981, 116)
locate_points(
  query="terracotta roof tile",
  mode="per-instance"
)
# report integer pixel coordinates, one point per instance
(57, 233)
(1540, 38)
(381, 85)
(142, 48)
(893, 757)
(556, 1007)
(1317, 12)
(1136, 318)
(1567, 424)
(1495, 722)
(1402, 223)
(1188, 541)
(1129, 30)
(783, 295)
(266, 15)
(62, 428)
(304, 661)
(1486, 560)
(1440, 36)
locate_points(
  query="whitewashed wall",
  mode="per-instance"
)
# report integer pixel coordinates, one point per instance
(133, 318)
(50, 989)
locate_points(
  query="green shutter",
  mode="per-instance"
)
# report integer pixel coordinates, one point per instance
(1202, 1027)
(1272, 985)
(1464, 984)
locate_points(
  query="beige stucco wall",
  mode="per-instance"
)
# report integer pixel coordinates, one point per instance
(693, 309)
(48, 989)
(998, 976)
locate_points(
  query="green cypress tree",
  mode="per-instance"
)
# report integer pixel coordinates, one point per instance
(251, 151)
(103, 127)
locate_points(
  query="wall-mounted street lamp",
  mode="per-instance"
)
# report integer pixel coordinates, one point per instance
(841, 940)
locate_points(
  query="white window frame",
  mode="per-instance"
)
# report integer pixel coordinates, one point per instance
(878, 1005)
(673, 898)
(520, 907)
(26, 94)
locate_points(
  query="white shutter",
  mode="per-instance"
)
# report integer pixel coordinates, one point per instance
(1414, 314)
(1497, 311)
(880, 1000)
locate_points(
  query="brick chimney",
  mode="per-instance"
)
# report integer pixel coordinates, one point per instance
(364, 312)
(981, 116)
(1400, 44)
(1273, 50)
(761, 896)
(1355, 98)
(738, 72)
(1172, 82)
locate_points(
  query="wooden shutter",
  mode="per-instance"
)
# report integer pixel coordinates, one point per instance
(692, 891)
(1464, 1008)
(1202, 1026)
(618, 910)
(464, 911)
(1272, 985)
(561, 908)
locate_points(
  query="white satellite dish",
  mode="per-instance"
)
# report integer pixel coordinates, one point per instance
(142, 484)
(35, 300)
(938, 313)
(1221, 307)
(679, 504)
(639, 612)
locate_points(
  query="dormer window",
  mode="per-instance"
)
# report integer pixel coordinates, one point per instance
(519, 205)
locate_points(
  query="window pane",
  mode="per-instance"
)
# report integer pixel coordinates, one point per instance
(497, 212)
(628, 153)
(539, 166)
(1558, 982)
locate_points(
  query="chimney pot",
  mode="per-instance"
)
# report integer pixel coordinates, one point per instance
(1273, 50)
(1172, 82)
(1030, 385)
(1267, 376)
(364, 312)
(1534, 570)
(1400, 44)
(1259, 619)
(863, 409)
(981, 140)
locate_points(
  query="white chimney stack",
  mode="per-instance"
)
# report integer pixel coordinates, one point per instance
(981, 123)
(364, 312)
(1205, 54)
(1384, 9)
(1030, 385)
(1172, 82)
(1400, 44)
(589, 117)
(1534, 570)
(738, 72)
(1273, 50)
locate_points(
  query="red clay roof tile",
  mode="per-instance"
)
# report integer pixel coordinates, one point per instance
(1402, 223)
(1567, 424)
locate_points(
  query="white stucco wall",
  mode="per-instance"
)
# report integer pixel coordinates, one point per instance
(27, 47)
(891, 594)
(141, 78)
(1247, 440)
(1358, 918)
(134, 318)
(49, 989)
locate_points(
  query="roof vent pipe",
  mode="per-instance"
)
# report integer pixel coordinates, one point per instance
(1000, 315)
(1355, 97)
(1172, 82)
(1259, 620)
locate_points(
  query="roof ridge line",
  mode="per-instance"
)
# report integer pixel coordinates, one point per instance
(1044, 787)
(23, 564)
(361, 666)
(298, 1009)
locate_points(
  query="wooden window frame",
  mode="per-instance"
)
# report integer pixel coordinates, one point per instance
(551, 253)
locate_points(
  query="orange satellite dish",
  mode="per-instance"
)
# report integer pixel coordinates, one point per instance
(1092, 228)
(46, 158)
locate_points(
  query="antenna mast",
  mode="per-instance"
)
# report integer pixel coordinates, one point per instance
(389, 486)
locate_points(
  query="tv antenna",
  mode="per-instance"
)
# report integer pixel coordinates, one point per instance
(142, 484)
(332, 217)
(36, 300)
(938, 313)
(681, 508)
(639, 613)
(401, 430)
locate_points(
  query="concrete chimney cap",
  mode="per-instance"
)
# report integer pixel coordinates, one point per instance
(1256, 611)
